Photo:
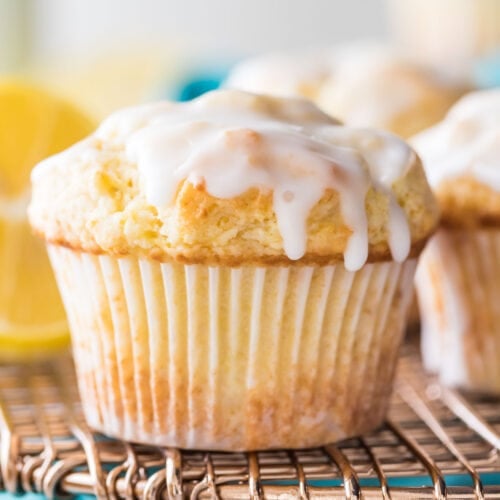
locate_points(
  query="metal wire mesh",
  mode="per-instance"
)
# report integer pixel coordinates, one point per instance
(436, 443)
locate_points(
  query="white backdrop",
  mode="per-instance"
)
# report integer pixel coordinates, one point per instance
(228, 27)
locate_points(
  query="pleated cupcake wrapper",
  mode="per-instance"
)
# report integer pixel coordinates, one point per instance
(458, 283)
(232, 358)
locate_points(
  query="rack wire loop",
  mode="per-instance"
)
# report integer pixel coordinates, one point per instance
(53, 477)
(155, 485)
(351, 481)
(254, 483)
(462, 409)
(9, 451)
(418, 405)
(173, 477)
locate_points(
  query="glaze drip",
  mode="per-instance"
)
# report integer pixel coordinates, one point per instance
(232, 141)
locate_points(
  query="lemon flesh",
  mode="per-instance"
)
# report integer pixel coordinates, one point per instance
(33, 125)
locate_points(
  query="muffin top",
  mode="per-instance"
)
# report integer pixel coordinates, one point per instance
(462, 159)
(363, 84)
(286, 74)
(386, 93)
(234, 178)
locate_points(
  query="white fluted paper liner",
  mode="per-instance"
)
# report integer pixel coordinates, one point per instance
(458, 283)
(232, 358)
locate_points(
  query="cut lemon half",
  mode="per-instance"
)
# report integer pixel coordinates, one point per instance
(33, 125)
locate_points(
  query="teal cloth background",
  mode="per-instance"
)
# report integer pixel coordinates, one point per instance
(30, 496)
(6, 496)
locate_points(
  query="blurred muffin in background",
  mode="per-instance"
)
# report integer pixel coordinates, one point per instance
(450, 35)
(386, 92)
(286, 74)
(458, 277)
(362, 84)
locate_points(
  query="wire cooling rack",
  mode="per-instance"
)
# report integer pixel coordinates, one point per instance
(436, 443)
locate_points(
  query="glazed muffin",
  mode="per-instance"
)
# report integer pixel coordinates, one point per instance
(458, 279)
(387, 93)
(428, 31)
(362, 84)
(236, 270)
(284, 74)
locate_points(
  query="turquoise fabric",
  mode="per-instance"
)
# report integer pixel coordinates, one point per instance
(489, 478)
(31, 496)
(196, 82)
(487, 70)
(7, 496)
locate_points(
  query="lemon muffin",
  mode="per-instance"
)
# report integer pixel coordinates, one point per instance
(236, 270)
(449, 34)
(285, 74)
(458, 279)
(387, 93)
(363, 84)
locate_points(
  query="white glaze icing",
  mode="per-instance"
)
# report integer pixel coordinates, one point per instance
(363, 83)
(370, 93)
(229, 144)
(293, 73)
(466, 142)
(370, 84)
(283, 73)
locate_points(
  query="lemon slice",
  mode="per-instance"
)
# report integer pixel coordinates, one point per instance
(33, 125)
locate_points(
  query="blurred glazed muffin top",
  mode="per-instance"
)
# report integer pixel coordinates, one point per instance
(235, 178)
(386, 93)
(361, 84)
(285, 74)
(462, 159)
